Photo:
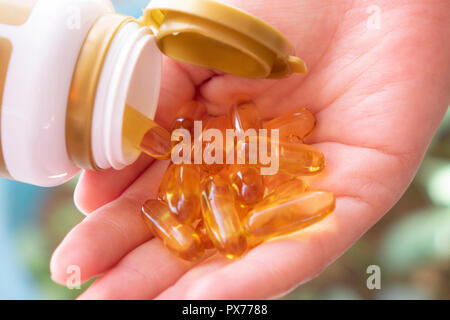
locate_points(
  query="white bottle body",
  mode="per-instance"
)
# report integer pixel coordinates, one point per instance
(40, 65)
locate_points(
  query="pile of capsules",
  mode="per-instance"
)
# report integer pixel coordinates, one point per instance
(234, 207)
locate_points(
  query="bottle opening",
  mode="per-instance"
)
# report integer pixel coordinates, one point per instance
(119, 65)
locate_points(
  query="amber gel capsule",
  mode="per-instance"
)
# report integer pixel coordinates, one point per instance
(293, 158)
(285, 191)
(247, 183)
(204, 236)
(183, 140)
(244, 115)
(242, 209)
(180, 188)
(143, 134)
(212, 149)
(221, 217)
(273, 181)
(181, 239)
(294, 126)
(193, 110)
(300, 159)
(182, 123)
(276, 216)
(156, 143)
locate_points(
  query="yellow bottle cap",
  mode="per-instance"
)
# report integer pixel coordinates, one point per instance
(217, 36)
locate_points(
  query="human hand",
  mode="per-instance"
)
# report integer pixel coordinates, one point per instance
(378, 95)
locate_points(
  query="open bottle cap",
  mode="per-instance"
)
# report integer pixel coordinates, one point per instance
(217, 36)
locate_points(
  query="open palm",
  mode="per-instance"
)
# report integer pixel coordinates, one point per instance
(378, 95)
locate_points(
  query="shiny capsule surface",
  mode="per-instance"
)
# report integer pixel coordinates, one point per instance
(236, 207)
(293, 126)
(248, 184)
(213, 152)
(156, 143)
(292, 158)
(204, 236)
(273, 181)
(282, 216)
(181, 123)
(244, 115)
(300, 159)
(180, 188)
(285, 191)
(143, 134)
(181, 239)
(242, 209)
(193, 109)
(221, 217)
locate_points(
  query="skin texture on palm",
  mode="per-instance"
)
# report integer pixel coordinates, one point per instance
(378, 95)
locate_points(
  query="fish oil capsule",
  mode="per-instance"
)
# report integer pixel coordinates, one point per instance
(193, 110)
(300, 159)
(156, 143)
(182, 123)
(285, 191)
(293, 158)
(282, 192)
(204, 236)
(293, 126)
(271, 182)
(143, 134)
(248, 184)
(180, 188)
(244, 115)
(242, 209)
(182, 140)
(277, 216)
(221, 217)
(181, 239)
(213, 153)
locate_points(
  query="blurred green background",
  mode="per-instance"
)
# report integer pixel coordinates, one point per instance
(411, 244)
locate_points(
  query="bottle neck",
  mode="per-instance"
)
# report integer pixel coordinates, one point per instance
(119, 64)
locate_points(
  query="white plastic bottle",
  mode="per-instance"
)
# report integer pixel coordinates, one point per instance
(44, 45)
(68, 68)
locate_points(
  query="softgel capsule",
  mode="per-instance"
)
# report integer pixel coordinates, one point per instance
(232, 208)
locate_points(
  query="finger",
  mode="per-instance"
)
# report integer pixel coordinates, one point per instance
(146, 272)
(95, 189)
(109, 233)
(142, 274)
(267, 270)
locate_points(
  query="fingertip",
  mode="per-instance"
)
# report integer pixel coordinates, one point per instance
(79, 197)
(87, 201)
(78, 257)
(55, 272)
(95, 189)
(65, 266)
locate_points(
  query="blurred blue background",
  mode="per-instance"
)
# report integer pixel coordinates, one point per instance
(411, 244)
